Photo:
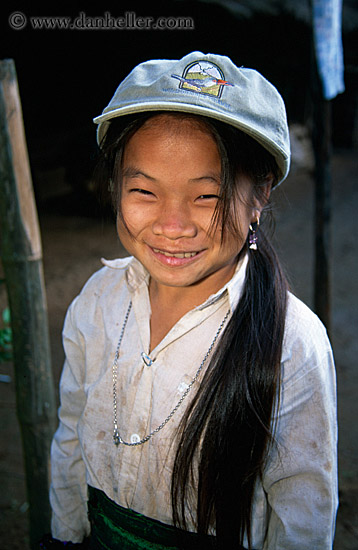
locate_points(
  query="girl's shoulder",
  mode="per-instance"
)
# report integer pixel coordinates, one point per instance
(304, 331)
(105, 287)
(308, 378)
(112, 272)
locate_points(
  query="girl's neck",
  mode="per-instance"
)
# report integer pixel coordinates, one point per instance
(165, 297)
(169, 304)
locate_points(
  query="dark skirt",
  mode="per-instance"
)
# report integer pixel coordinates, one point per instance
(116, 528)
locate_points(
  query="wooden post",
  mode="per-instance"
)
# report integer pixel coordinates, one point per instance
(322, 268)
(322, 148)
(21, 254)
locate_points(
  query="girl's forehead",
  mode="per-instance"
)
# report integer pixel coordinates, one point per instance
(165, 130)
(176, 123)
(172, 147)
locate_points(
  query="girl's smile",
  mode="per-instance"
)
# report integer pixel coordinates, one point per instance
(175, 259)
(170, 190)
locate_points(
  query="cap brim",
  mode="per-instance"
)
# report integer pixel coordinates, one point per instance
(280, 155)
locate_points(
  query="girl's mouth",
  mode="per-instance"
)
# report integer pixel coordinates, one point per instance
(175, 255)
(175, 259)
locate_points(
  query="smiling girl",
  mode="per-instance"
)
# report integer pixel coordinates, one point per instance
(198, 394)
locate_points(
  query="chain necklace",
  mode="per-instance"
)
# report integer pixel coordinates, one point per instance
(117, 439)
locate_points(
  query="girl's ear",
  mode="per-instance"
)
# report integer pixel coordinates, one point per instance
(261, 200)
(263, 197)
(255, 217)
(266, 187)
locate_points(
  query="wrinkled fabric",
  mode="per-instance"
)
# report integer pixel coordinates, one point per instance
(327, 32)
(296, 501)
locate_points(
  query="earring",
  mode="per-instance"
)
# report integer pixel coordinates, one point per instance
(252, 234)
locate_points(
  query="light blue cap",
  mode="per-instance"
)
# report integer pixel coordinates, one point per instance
(209, 85)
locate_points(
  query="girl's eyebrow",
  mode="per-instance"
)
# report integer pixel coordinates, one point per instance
(212, 176)
(133, 172)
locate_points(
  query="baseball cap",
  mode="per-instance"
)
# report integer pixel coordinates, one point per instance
(210, 85)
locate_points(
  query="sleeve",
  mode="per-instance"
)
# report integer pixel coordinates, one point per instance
(301, 478)
(68, 490)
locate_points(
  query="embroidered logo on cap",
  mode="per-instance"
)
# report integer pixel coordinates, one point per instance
(203, 77)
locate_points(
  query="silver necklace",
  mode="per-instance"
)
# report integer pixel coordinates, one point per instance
(117, 439)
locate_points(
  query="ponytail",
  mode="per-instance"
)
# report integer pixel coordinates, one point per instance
(227, 429)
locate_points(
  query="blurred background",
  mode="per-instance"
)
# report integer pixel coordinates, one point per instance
(67, 77)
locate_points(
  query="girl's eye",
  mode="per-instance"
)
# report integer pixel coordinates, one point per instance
(208, 197)
(144, 192)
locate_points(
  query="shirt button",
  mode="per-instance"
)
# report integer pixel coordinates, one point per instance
(182, 387)
(135, 438)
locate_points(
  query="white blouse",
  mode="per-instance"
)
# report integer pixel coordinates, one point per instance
(298, 493)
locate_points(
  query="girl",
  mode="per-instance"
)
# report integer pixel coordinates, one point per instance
(198, 394)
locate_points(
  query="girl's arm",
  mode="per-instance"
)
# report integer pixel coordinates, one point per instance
(68, 492)
(301, 480)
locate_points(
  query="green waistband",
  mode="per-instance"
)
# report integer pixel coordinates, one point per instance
(116, 528)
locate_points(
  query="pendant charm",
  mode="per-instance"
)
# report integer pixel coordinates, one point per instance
(252, 235)
(253, 245)
(116, 438)
(146, 359)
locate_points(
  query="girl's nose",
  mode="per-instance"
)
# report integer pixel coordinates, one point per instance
(174, 221)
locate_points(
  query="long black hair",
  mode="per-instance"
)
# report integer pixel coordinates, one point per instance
(227, 430)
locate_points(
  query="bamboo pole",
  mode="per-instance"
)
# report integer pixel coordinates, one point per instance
(21, 254)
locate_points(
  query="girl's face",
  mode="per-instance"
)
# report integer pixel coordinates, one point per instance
(171, 171)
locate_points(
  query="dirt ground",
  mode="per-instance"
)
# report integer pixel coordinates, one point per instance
(73, 243)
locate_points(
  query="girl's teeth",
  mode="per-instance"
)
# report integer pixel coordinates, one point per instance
(179, 255)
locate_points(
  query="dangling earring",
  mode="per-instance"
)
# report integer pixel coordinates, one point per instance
(252, 234)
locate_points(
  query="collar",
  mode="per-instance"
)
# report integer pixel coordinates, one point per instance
(137, 275)
(233, 288)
